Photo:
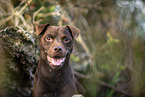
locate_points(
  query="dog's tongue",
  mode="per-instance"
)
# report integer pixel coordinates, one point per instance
(56, 61)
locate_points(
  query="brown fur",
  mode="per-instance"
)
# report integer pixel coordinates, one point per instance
(50, 80)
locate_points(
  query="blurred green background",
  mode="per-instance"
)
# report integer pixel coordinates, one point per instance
(108, 59)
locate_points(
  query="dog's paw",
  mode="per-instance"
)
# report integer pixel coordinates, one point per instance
(78, 95)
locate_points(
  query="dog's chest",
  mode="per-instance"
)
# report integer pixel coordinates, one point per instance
(54, 77)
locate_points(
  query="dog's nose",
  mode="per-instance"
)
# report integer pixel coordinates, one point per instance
(57, 49)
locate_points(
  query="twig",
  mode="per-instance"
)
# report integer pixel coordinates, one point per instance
(24, 7)
(114, 88)
(15, 13)
(84, 46)
(103, 83)
(22, 19)
(19, 5)
(35, 13)
(2, 10)
(30, 13)
(5, 20)
(81, 75)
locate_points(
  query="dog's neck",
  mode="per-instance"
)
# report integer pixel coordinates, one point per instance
(48, 73)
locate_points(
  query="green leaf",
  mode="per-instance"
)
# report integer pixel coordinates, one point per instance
(52, 8)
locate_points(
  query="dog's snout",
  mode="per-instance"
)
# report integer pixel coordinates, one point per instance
(57, 49)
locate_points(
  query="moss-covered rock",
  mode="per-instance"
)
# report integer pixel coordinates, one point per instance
(22, 54)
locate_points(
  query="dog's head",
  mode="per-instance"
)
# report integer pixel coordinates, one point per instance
(56, 43)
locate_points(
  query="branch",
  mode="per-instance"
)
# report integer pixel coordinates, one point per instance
(6, 19)
(24, 7)
(81, 75)
(114, 88)
(19, 5)
(35, 13)
(23, 20)
(103, 84)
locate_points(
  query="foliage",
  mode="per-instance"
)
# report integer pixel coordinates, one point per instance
(110, 50)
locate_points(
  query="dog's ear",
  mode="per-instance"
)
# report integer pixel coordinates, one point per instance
(41, 28)
(74, 31)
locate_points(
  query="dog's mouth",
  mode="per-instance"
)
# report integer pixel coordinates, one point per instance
(56, 61)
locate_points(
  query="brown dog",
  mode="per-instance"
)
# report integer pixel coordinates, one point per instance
(54, 76)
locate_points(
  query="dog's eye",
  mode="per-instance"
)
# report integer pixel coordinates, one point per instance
(47, 38)
(66, 40)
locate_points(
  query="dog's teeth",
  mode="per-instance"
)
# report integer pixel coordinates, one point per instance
(55, 61)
